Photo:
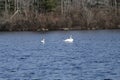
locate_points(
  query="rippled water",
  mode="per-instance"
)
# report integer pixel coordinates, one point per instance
(94, 55)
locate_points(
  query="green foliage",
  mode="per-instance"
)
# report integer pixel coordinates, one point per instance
(37, 5)
(45, 5)
(50, 5)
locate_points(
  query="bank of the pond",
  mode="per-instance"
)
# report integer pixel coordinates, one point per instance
(76, 20)
(8, 27)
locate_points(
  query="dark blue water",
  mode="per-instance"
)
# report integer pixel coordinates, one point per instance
(94, 55)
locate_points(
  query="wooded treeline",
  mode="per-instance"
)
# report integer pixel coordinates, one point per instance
(39, 15)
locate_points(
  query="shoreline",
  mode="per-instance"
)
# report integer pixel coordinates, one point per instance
(47, 30)
(54, 21)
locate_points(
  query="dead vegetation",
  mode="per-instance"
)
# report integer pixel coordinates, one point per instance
(83, 18)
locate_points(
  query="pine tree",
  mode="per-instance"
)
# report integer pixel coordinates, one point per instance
(50, 5)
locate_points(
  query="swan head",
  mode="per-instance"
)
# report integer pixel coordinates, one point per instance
(43, 39)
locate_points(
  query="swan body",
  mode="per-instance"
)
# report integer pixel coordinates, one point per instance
(43, 41)
(69, 40)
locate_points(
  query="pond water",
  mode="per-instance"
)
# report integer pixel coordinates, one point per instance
(94, 55)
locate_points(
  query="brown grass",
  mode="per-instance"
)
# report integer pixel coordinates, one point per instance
(97, 19)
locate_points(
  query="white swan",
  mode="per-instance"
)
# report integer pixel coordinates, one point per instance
(43, 41)
(69, 40)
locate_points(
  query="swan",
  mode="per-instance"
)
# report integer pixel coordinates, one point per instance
(43, 41)
(69, 40)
